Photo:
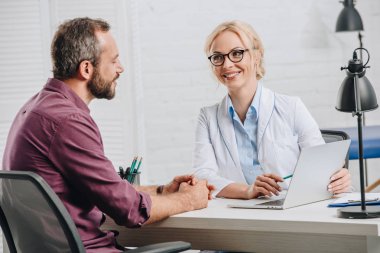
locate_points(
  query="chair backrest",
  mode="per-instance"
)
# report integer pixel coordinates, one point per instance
(334, 135)
(32, 216)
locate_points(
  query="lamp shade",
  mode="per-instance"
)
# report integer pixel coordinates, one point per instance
(346, 96)
(349, 18)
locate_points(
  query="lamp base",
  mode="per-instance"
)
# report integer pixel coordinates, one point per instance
(356, 212)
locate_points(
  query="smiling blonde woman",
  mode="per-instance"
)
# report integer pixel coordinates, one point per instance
(249, 141)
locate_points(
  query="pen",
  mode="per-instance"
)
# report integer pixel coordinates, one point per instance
(121, 172)
(288, 176)
(133, 164)
(358, 201)
(138, 166)
(129, 177)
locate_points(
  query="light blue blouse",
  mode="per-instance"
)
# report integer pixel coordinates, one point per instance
(246, 137)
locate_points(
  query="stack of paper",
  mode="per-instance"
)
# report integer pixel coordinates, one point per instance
(353, 199)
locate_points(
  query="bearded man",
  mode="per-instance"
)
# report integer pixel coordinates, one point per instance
(54, 136)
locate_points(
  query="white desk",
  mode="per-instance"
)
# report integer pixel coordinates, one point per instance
(309, 228)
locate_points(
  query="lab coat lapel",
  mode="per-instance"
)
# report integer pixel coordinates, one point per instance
(265, 113)
(227, 131)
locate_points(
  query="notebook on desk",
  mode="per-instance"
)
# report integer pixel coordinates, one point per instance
(310, 179)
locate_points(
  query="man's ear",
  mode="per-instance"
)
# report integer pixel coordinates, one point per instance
(85, 70)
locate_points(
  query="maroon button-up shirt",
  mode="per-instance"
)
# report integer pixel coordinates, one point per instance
(54, 136)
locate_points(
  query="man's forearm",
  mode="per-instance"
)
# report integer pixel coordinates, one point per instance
(151, 189)
(171, 204)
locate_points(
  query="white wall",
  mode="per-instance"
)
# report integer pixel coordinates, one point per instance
(167, 78)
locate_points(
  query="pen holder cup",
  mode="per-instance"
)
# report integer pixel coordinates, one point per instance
(134, 178)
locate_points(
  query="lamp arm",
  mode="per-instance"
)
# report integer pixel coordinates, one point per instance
(360, 36)
(359, 113)
(361, 161)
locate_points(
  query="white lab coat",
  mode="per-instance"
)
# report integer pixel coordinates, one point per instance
(285, 126)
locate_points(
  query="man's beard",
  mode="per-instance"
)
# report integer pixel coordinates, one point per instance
(101, 88)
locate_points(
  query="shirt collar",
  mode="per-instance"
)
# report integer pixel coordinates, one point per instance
(60, 87)
(253, 108)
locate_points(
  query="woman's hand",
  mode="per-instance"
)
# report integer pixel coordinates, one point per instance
(340, 182)
(265, 185)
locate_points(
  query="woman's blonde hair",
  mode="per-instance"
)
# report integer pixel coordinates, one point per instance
(247, 35)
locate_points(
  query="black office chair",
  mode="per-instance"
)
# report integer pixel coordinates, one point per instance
(334, 135)
(34, 219)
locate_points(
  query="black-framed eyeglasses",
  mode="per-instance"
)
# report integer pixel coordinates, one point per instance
(235, 55)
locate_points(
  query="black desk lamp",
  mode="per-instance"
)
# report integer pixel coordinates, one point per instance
(349, 20)
(356, 95)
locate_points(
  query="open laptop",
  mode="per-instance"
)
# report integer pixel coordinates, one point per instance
(310, 179)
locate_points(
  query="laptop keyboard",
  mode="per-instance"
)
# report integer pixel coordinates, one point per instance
(278, 202)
